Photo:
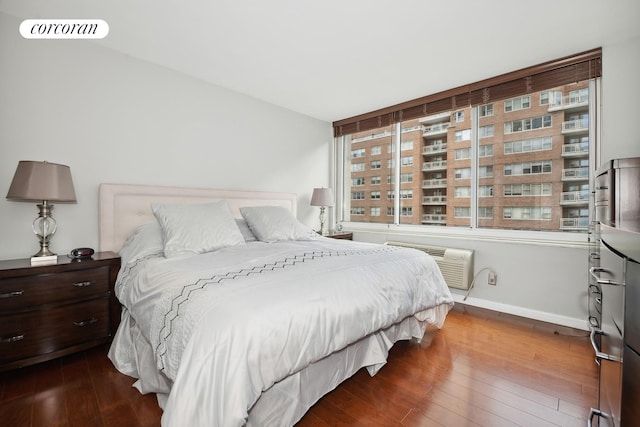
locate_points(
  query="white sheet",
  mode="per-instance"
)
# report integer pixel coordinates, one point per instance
(223, 327)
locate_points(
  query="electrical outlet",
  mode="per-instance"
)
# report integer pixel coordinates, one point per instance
(493, 278)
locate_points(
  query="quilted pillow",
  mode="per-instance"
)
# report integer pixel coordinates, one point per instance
(200, 228)
(274, 223)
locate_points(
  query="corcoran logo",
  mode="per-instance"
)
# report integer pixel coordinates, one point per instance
(64, 29)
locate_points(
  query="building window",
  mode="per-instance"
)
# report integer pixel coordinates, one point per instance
(528, 168)
(406, 145)
(522, 161)
(357, 167)
(528, 124)
(485, 212)
(406, 161)
(462, 212)
(527, 213)
(462, 173)
(527, 190)
(374, 211)
(485, 150)
(485, 131)
(517, 104)
(406, 211)
(406, 178)
(357, 195)
(357, 211)
(485, 191)
(357, 153)
(463, 153)
(528, 145)
(485, 110)
(463, 135)
(462, 192)
(375, 195)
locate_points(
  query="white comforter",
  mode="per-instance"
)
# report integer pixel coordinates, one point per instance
(225, 326)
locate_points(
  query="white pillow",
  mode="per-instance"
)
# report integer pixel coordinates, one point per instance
(245, 230)
(145, 240)
(201, 228)
(274, 223)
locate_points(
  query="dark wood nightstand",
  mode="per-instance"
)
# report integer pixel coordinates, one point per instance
(340, 235)
(53, 310)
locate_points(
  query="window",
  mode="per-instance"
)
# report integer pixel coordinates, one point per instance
(374, 211)
(510, 152)
(357, 153)
(485, 131)
(485, 110)
(463, 135)
(375, 195)
(462, 192)
(517, 104)
(528, 124)
(463, 153)
(485, 150)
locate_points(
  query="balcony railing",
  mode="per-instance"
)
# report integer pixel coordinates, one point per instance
(576, 149)
(434, 183)
(431, 166)
(579, 125)
(434, 200)
(568, 102)
(574, 174)
(433, 149)
(434, 218)
(574, 223)
(575, 197)
(435, 129)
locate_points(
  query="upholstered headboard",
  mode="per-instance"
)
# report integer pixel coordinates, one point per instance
(123, 207)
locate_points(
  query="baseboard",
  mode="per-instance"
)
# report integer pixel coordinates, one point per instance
(541, 316)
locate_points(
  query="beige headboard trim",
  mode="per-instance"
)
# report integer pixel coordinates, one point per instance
(123, 207)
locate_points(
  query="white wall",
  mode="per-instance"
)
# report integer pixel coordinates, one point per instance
(546, 281)
(113, 118)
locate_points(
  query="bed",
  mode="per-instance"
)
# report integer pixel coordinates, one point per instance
(234, 313)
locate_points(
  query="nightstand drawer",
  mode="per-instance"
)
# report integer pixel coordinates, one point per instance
(26, 293)
(41, 332)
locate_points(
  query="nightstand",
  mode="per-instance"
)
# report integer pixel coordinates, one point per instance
(54, 310)
(340, 235)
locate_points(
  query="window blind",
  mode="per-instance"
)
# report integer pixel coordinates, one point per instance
(574, 68)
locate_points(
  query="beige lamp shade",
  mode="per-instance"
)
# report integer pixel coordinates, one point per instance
(322, 197)
(40, 181)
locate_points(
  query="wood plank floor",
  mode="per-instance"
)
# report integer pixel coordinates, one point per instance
(481, 369)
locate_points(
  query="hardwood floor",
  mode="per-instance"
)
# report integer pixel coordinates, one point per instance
(481, 369)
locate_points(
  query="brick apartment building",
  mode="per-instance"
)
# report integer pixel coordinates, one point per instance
(533, 166)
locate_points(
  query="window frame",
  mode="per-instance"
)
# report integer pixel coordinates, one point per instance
(341, 131)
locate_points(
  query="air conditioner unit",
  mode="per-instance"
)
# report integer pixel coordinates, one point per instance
(456, 265)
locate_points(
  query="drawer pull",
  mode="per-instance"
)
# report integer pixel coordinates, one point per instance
(600, 354)
(83, 284)
(12, 339)
(87, 322)
(594, 270)
(12, 294)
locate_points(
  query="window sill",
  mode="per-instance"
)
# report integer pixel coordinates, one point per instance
(536, 238)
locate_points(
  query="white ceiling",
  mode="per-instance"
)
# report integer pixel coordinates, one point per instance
(332, 59)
